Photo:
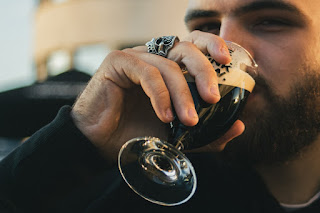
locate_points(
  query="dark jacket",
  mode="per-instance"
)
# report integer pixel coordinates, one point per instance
(59, 170)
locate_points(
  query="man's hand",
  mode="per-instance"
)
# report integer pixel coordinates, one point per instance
(131, 93)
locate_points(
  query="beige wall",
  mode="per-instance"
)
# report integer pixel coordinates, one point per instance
(117, 23)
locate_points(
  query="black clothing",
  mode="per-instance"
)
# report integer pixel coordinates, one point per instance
(59, 170)
(25, 110)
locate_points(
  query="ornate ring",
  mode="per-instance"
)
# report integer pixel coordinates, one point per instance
(161, 45)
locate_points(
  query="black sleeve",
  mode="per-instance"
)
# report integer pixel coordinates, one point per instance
(52, 164)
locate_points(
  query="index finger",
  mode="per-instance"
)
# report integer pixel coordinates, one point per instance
(212, 44)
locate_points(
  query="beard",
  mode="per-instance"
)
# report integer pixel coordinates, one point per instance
(283, 129)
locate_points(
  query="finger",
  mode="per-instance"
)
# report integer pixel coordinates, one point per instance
(177, 86)
(212, 44)
(206, 43)
(199, 67)
(126, 70)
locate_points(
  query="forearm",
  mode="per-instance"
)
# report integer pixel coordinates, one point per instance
(51, 164)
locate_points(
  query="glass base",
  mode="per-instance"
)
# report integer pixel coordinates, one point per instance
(157, 171)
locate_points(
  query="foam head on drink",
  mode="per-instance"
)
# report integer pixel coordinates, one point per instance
(235, 74)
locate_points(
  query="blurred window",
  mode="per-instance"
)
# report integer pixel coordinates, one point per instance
(89, 57)
(58, 62)
(52, 1)
(58, 1)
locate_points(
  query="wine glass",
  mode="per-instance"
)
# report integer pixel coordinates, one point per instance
(158, 170)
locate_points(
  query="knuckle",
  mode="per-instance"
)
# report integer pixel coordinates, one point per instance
(150, 70)
(128, 50)
(162, 92)
(119, 58)
(184, 92)
(110, 61)
(172, 65)
(115, 54)
(211, 38)
(194, 36)
(196, 33)
(187, 45)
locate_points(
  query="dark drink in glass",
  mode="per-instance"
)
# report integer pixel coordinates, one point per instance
(214, 119)
(157, 170)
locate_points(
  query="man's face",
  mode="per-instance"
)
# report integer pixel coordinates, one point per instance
(283, 36)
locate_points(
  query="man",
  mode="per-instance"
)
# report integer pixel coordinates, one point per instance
(271, 167)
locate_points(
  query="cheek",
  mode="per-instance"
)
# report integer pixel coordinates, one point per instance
(281, 67)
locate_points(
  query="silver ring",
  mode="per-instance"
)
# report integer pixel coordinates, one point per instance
(161, 45)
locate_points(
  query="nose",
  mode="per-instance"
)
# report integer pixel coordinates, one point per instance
(234, 32)
(231, 30)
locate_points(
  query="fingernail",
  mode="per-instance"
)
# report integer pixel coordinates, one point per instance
(215, 91)
(225, 51)
(192, 113)
(169, 114)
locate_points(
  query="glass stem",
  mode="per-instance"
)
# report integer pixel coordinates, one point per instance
(179, 142)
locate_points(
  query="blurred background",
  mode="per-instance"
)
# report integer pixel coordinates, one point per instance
(51, 48)
(41, 38)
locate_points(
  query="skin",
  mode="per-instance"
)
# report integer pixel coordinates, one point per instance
(115, 106)
(130, 94)
(279, 38)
